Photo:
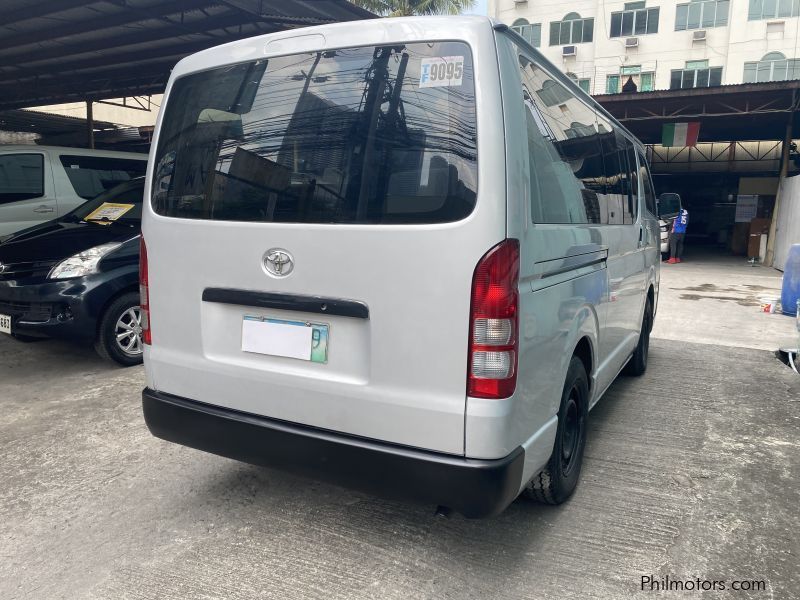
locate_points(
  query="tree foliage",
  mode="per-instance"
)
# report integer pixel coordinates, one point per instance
(407, 8)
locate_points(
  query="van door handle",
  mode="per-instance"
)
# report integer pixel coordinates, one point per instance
(43, 209)
(642, 237)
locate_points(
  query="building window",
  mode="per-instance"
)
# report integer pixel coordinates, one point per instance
(772, 67)
(697, 74)
(572, 29)
(630, 76)
(634, 20)
(772, 9)
(553, 94)
(577, 130)
(702, 14)
(530, 32)
(585, 83)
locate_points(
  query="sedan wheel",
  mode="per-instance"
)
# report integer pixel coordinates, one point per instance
(128, 331)
(119, 334)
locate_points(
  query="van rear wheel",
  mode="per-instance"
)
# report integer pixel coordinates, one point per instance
(637, 365)
(119, 337)
(560, 477)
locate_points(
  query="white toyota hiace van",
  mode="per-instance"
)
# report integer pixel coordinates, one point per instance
(40, 183)
(407, 255)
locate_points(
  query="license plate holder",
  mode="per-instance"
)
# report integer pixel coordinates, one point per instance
(301, 340)
(5, 324)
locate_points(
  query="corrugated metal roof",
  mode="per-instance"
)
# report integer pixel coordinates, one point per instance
(747, 111)
(54, 51)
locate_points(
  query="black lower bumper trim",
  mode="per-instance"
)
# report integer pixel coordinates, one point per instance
(475, 488)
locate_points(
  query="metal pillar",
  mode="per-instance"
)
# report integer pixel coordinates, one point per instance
(787, 140)
(89, 124)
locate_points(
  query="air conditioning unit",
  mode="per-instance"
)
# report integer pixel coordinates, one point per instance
(632, 42)
(518, 2)
(569, 51)
(699, 35)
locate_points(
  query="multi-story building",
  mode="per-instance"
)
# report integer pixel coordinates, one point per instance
(608, 45)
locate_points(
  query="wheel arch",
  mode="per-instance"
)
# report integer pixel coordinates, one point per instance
(109, 301)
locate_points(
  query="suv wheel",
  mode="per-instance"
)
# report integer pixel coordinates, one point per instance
(119, 337)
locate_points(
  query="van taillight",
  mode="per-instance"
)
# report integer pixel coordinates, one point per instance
(494, 323)
(144, 292)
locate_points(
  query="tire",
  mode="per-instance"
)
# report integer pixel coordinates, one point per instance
(121, 318)
(556, 483)
(637, 365)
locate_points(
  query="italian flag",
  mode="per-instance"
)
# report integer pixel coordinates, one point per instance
(680, 134)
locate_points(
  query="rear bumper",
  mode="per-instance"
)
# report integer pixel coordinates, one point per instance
(475, 488)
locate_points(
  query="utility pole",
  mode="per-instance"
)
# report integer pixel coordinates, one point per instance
(89, 124)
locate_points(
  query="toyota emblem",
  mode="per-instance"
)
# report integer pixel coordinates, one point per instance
(278, 262)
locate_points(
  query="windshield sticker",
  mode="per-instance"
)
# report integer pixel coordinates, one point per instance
(108, 212)
(441, 71)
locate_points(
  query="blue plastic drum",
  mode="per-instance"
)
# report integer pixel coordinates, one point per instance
(791, 281)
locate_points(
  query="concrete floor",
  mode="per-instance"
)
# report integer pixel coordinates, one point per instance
(712, 298)
(691, 471)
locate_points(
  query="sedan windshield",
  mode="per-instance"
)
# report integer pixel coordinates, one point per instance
(121, 204)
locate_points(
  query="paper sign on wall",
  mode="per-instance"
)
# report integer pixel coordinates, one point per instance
(746, 208)
(441, 71)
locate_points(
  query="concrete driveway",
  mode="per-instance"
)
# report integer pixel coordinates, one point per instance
(691, 472)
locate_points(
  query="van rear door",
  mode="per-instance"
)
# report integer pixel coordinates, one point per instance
(314, 232)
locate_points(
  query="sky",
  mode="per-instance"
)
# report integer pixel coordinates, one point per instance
(479, 9)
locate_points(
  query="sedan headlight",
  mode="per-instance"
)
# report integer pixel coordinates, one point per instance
(83, 263)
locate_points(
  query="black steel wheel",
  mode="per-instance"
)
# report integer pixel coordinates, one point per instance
(637, 365)
(559, 478)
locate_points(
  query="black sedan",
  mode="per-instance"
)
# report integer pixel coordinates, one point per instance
(77, 276)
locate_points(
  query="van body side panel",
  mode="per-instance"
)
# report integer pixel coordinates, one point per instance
(399, 375)
(562, 288)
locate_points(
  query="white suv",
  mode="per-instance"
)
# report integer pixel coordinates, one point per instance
(40, 183)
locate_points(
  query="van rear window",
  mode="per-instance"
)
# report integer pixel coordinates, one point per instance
(374, 135)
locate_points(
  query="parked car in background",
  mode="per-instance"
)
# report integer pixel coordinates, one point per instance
(362, 265)
(76, 277)
(669, 205)
(40, 183)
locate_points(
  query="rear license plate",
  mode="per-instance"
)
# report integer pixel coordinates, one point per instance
(293, 339)
(5, 324)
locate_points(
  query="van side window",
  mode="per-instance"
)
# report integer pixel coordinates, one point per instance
(564, 152)
(93, 175)
(633, 170)
(647, 185)
(21, 177)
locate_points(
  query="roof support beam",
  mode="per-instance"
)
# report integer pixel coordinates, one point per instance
(41, 9)
(255, 8)
(202, 27)
(171, 54)
(121, 18)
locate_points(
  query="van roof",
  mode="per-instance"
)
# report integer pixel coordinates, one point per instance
(335, 35)
(9, 148)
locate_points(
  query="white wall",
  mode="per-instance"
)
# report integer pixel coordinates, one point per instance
(787, 230)
(106, 112)
(729, 47)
